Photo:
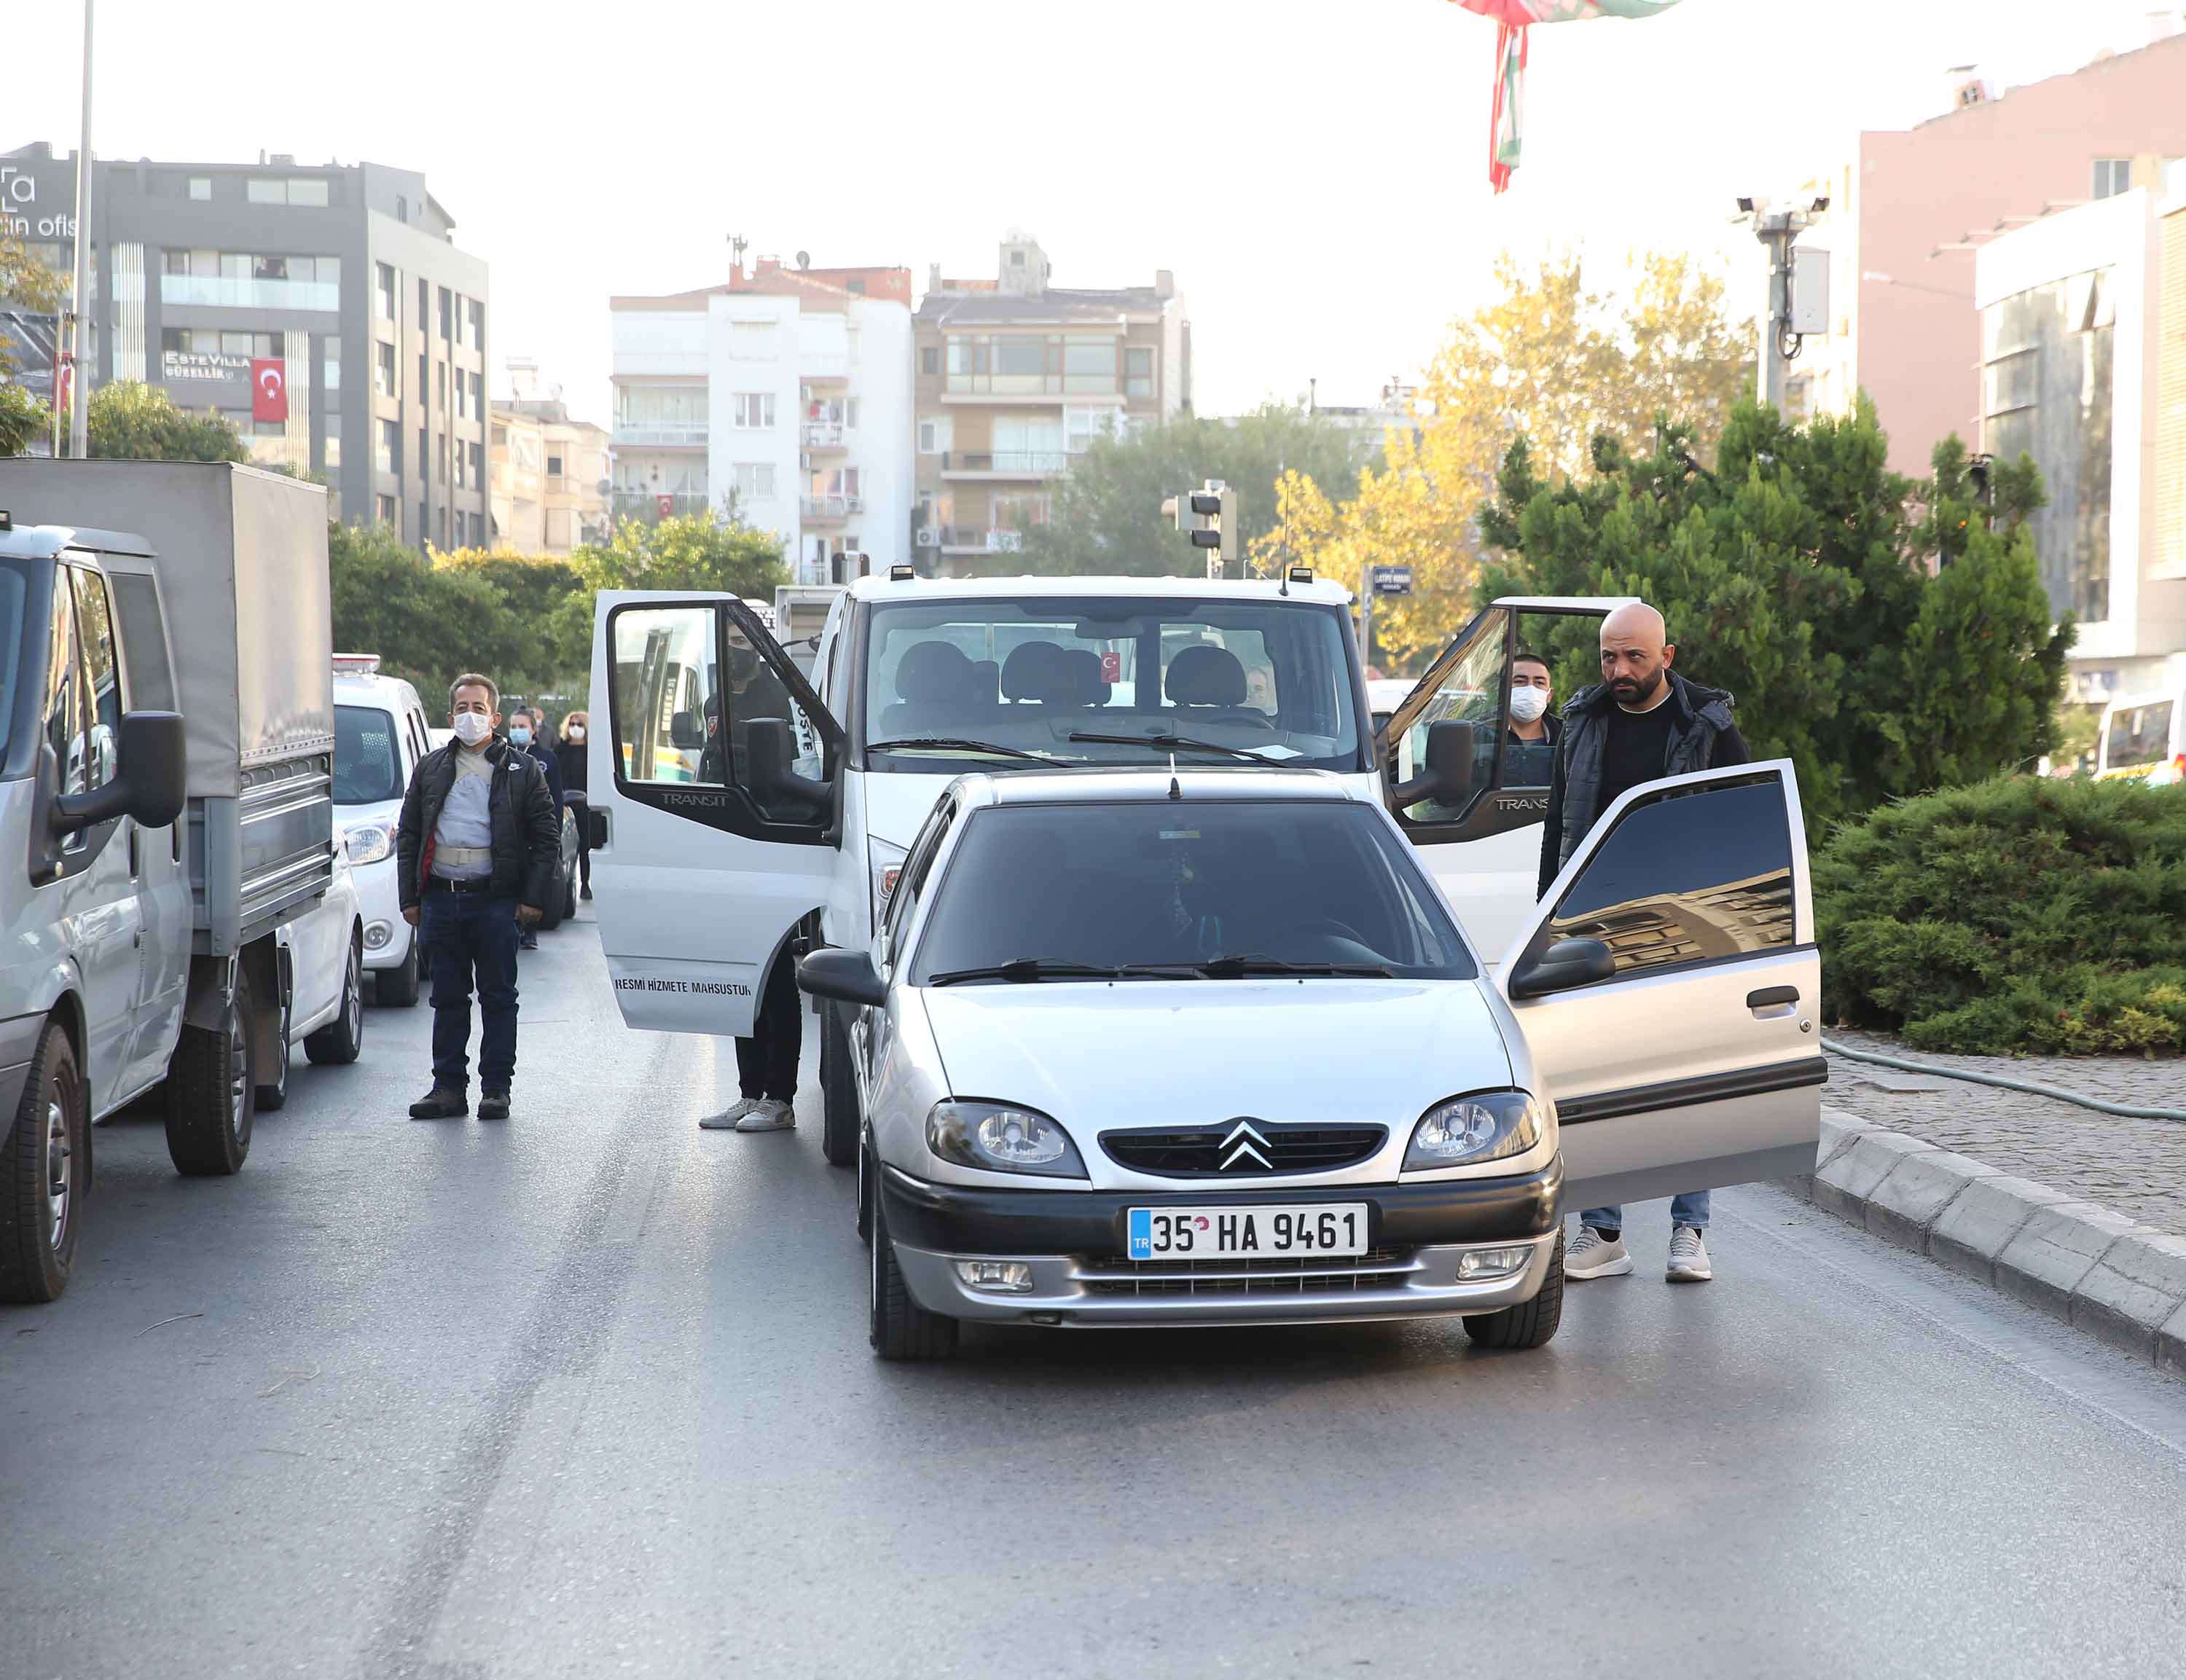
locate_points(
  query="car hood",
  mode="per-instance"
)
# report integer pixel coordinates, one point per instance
(1199, 1051)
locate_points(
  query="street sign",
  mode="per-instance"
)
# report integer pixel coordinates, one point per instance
(1392, 579)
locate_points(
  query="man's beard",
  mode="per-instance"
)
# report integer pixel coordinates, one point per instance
(1629, 692)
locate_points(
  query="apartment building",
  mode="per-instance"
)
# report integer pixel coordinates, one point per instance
(549, 471)
(342, 281)
(785, 392)
(1015, 377)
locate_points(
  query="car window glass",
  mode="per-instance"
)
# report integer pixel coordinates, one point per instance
(102, 675)
(911, 887)
(1186, 883)
(367, 763)
(14, 593)
(1469, 691)
(1687, 875)
(143, 644)
(64, 721)
(2138, 734)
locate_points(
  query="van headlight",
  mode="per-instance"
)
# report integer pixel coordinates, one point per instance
(368, 843)
(886, 862)
(999, 1137)
(1485, 1126)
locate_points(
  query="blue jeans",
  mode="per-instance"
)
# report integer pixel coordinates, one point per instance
(1689, 1209)
(466, 932)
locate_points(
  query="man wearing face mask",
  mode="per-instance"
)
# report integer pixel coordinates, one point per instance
(1642, 722)
(1530, 737)
(527, 731)
(476, 853)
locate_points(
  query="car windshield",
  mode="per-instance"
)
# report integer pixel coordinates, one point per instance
(1191, 887)
(367, 763)
(1269, 676)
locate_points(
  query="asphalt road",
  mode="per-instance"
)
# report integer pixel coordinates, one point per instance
(588, 1394)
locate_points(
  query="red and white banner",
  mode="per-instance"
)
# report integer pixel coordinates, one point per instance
(269, 390)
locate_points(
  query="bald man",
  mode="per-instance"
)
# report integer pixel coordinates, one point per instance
(1640, 723)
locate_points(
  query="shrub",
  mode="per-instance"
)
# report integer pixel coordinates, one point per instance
(2011, 916)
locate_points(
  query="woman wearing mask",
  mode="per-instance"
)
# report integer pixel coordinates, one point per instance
(527, 729)
(569, 754)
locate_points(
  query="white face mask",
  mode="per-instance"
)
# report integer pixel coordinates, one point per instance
(1528, 703)
(576, 731)
(470, 727)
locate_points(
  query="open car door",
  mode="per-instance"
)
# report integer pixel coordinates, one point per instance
(1460, 782)
(1668, 987)
(714, 775)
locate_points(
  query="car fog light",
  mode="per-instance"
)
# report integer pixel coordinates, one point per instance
(1477, 1263)
(996, 1277)
(377, 936)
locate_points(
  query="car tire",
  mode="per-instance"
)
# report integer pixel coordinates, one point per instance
(273, 1093)
(901, 1329)
(1530, 1324)
(839, 1121)
(336, 1043)
(211, 1099)
(865, 1196)
(550, 913)
(45, 1171)
(398, 987)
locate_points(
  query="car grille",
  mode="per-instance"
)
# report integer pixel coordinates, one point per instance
(1200, 1152)
(1376, 1269)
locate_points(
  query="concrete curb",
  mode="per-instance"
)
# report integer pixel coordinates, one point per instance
(2122, 1282)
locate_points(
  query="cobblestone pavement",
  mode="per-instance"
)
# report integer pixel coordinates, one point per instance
(2138, 1167)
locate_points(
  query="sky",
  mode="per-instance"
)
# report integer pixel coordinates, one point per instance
(1313, 172)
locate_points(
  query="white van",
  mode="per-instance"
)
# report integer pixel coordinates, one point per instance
(2144, 737)
(380, 733)
(716, 846)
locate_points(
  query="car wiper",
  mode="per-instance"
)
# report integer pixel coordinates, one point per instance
(1026, 970)
(1237, 967)
(951, 744)
(1180, 743)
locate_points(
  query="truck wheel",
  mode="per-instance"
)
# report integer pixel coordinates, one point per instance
(398, 987)
(838, 1091)
(901, 1328)
(336, 1043)
(273, 1094)
(211, 1097)
(44, 1171)
(1530, 1324)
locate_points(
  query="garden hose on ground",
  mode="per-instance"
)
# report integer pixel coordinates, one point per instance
(2124, 1111)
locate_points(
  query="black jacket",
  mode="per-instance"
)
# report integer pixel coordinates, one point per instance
(1703, 735)
(548, 763)
(569, 755)
(527, 823)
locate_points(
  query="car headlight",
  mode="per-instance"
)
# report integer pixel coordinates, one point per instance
(886, 862)
(1485, 1126)
(1001, 1137)
(368, 843)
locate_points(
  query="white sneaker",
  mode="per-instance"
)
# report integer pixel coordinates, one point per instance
(1689, 1257)
(771, 1115)
(730, 1118)
(1595, 1256)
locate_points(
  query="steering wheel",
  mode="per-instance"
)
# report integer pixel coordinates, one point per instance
(1329, 925)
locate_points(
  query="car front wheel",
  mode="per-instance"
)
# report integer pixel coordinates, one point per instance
(901, 1328)
(1530, 1324)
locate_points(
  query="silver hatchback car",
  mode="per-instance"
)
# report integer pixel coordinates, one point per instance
(1207, 1048)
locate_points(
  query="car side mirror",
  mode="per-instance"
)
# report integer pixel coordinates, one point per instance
(1565, 964)
(843, 974)
(151, 783)
(1448, 778)
(686, 733)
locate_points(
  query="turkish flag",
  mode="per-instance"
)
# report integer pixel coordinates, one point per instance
(269, 390)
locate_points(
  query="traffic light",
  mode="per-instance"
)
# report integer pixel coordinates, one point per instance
(1208, 515)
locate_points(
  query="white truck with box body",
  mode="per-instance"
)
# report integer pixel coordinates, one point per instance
(166, 739)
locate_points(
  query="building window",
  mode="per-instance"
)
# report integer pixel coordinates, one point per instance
(553, 466)
(935, 434)
(200, 188)
(383, 458)
(478, 396)
(753, 411)
(241, 279)
(330, 362)
(447, 315)
(383, 370)
(755, 480)
(751, 340)
(1138, 372)
(1083, 425)
(930, 361)
(261, 189)
(475, 313)
(311, 190)
(384, 510)
(851, 413)
(2113, 175)
(477, 452)
(331, 460)
(383, 293)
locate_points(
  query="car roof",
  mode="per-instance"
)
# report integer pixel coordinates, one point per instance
(354, 686)
(44, 542)
(1135, 784)
(877, 589)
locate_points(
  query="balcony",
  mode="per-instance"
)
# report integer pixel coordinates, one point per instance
(648, 506)
(223, 291)
(686, 434)
(823, 434)
(981, 540)
(1004, 463)
(820, 509)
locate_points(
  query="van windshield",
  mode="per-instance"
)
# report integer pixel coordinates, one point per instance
(1266, 678)
(15, 590)
(367, 762)
(2139, 735)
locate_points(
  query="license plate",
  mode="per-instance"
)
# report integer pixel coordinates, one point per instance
(1248, 1233)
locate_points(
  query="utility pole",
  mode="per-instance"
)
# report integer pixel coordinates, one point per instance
(1777, 230)
(79, 303)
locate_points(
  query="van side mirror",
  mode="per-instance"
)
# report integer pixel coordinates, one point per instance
(1448, 776)
(686, 733)
(151, 784)
(1565, 964)
(842, 973)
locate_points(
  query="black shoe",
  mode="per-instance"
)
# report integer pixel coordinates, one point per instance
(587, 893)
(494, 1106)
(442, 1103)
(529, 942)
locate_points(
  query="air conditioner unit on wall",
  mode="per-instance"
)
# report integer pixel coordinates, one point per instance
(929, 536)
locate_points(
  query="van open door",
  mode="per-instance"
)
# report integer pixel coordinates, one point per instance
(715, 773)
(1669, 985)
(1460, 783)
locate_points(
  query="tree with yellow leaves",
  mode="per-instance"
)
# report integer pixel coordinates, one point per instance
(1553, 359)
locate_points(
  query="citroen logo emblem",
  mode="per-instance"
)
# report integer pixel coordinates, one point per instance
(1245, 1144)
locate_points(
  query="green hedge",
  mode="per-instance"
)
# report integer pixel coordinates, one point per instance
(2013, 917)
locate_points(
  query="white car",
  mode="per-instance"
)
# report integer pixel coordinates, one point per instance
(380, 733)
(322, 951)
(1139, 1048)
